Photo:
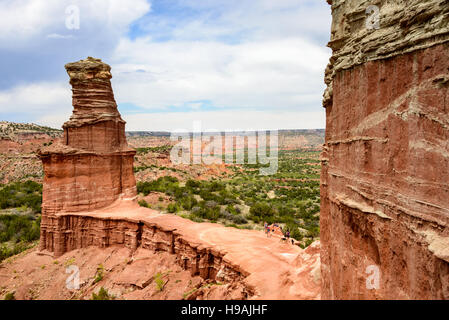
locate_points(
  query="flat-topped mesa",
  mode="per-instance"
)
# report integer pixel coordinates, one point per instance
(93, 166)
(95, 123)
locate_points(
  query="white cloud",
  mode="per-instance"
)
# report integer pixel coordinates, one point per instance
(24, 23)
(22, 19)
(285, 73)
(37, 97)
(265, 55)
(244, 19)
(59, 36)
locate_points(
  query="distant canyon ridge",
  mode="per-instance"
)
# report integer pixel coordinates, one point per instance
(19, 143)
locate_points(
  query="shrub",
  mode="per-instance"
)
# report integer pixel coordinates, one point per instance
(195, 219)
(193, 184)
(232, 210)
(99, 275)
(18, 228)
(285, 211)
(159, 281)
(216, 186)
(10, 296)
(294, 231)
(143, 203)
(261, 211)
(28, 193)
(210, 213)
(188, 202)
(307, 243)
(210, 204)
(103, 294)
(239, 219)
(7, 251)
(164, 184)
(172, 208)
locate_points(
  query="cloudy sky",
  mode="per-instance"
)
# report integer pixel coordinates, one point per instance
(231, 64)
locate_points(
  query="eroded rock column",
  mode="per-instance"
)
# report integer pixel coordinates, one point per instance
(385, 164)
(93, 166)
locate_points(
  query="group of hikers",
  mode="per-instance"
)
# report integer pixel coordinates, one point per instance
(270, 230)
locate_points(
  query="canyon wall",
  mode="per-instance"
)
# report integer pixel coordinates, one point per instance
(385, 163)
(67, 232)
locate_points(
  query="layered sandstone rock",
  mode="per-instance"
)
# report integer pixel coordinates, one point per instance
(93, 166)
(263, 268)
(385, 164)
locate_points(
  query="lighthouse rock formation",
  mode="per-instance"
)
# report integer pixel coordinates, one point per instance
(385, 164)
(93, 166)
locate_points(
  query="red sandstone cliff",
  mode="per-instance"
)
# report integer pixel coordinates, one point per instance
(385, 164)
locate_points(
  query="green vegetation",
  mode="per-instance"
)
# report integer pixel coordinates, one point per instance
(158, 149)
(10, 296)
(153, 166)
(188, 293)
(19, 228)
(20, 218)
(99, 274)
(20, 194)
(103, 294)
(11, 127)
(291, 197)
(160, 283)
(17, 233)
(143, 203)
(69, 262)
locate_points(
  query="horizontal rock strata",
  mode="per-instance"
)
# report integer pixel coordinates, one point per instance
(385, 164)
(63, 233)
(93, 166)
(267, 268)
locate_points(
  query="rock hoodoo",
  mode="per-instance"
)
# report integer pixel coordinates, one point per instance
(93, 166)
(385, 164)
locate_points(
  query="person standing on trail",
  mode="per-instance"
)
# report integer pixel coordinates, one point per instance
(287, 235)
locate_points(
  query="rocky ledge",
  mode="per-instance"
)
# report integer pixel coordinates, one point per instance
(264, 267)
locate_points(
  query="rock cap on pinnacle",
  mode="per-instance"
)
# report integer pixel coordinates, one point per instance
(88, 69)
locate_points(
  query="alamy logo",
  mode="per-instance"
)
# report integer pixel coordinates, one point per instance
(373, 19)
(72, 21)
(373, 279)
(73, 281)
(208, 148)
